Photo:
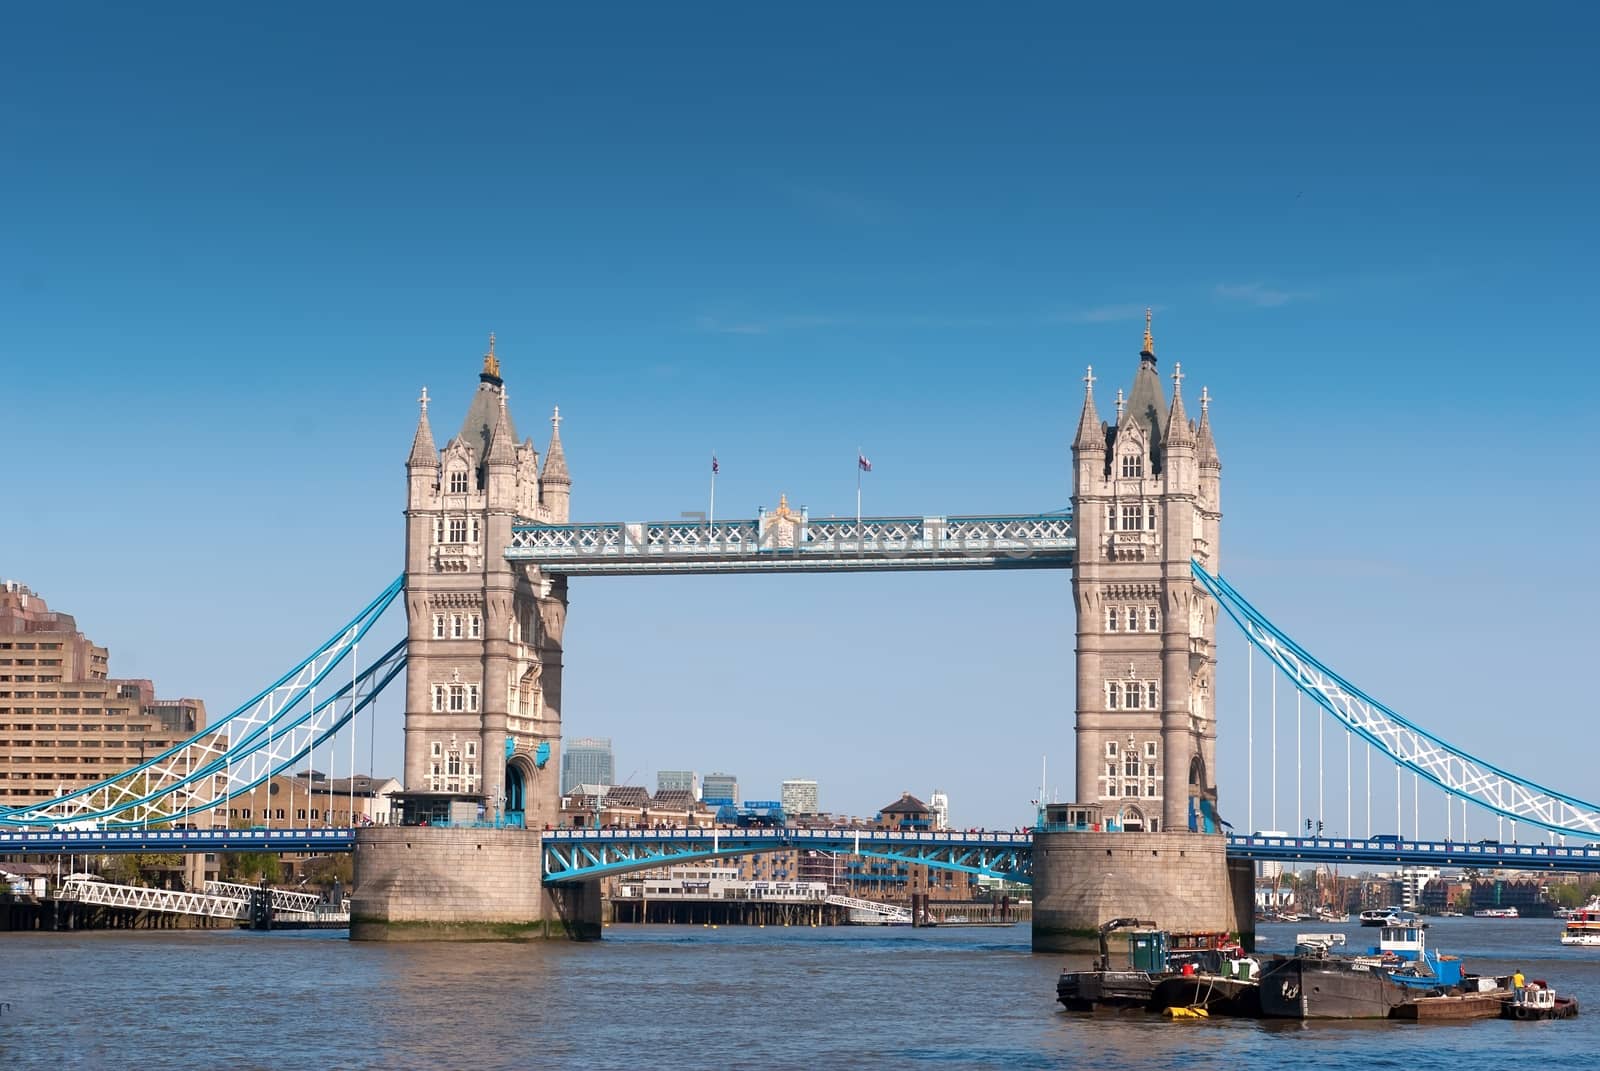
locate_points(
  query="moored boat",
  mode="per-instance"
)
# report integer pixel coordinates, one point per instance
(1155, 956)
(1382, 916)
(1496, 913)
(1488, 1004)
(1314, 984)
(1538, 1001)
(1583, 925)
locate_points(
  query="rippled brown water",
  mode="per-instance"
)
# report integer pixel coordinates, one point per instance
(649, 998)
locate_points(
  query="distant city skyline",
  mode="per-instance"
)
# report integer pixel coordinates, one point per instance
(230, 261)
(587, 760)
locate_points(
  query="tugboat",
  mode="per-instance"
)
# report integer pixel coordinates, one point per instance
(1165, 971)
(1536, 1000)
(1312, 984)
(1116, 990)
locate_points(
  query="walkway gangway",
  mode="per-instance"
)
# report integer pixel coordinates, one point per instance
(218, 899)
(888, 912)
(167, 901)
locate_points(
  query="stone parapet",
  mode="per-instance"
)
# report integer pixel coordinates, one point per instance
(433, 883)
(1179, 881)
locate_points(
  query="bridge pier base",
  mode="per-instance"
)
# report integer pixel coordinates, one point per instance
(1179, 881)
(438, 883)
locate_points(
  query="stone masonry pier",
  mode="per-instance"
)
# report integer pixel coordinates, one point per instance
(435, 883)
(1179, 881)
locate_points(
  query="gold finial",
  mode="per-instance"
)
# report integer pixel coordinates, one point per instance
(491, 363)
(1149, 339)
(783, 506)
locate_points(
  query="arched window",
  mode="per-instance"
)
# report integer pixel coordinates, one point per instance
(458, 482)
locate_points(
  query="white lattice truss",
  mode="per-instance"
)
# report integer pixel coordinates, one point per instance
(266, 736)
(1447, 766)
(1015, 538)
(218, 900)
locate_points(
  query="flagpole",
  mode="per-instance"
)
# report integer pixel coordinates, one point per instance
(712, 516)
(859, 456)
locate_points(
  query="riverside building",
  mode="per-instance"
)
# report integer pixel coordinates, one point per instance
(65, 723)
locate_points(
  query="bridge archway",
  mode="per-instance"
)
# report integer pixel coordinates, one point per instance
(518, 769)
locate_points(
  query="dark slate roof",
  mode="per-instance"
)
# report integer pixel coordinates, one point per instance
(1148, 405)
(478, 428)
(906, 804)
(627, 796)
(678, 799)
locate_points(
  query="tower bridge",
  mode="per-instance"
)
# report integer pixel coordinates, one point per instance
(491, 547)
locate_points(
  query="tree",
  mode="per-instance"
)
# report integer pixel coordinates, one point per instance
(248, 867)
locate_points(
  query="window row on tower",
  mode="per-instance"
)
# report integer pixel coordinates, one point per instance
(455, 698)
(457, 627)
(1131, 695)
(1133, 619)
(455, 529)
(1131, 517)
(453, 768)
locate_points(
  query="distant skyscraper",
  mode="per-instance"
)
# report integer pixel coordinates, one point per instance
(678, 781)
(799, 796)
(939, 804)
(720, 786)
(587, 761)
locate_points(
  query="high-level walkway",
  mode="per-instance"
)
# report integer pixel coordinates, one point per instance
(784, 542)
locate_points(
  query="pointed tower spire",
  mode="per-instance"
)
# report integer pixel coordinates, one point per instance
(1205, 445)
(502, 440)
(1149, 349)
(1091, 431)
(555, 484)
(555, 458)
(1179, 432)
(424, 455)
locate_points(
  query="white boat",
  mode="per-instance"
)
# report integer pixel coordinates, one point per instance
(1382, 916)
(1583, 925)
(1496, 913)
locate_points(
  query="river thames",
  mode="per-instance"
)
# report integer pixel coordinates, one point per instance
(652, 997)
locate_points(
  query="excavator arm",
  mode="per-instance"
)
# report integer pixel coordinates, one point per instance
(1116, 924)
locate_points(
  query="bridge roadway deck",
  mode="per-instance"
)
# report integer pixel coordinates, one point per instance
(588, 850)
(797, 543)
(581, 854)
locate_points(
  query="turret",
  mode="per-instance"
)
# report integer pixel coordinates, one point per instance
(422, 467)
(500, 463)
(555, 483)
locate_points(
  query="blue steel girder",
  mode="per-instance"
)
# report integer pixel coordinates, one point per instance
(794, 542)
(580, 855)
(1408, 745)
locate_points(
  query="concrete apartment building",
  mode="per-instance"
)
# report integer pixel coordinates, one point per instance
(64, 722)
(799, 796)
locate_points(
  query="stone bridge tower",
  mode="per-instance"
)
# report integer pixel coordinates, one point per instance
(1146, 499)
(1142, 840)
(483, 669)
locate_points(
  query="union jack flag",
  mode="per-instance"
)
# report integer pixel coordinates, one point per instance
(863, 463)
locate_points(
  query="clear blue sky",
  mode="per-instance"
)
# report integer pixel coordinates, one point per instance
(235, 242)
